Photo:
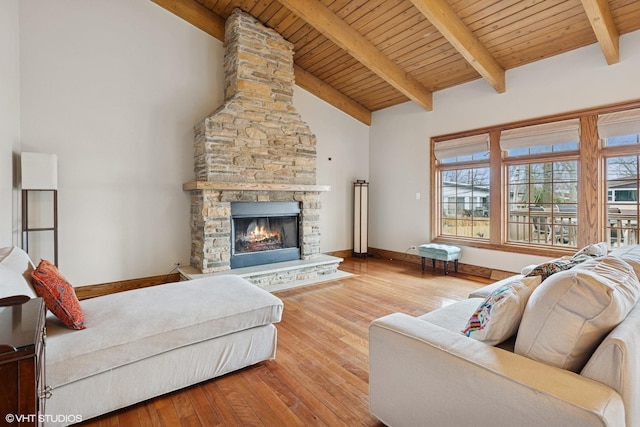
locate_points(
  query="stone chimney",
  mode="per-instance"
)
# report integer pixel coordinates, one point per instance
(256, 135)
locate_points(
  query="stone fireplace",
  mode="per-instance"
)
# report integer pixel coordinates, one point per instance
(254, 149)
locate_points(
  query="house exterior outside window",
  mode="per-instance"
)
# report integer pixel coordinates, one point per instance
(465, 202)
(543, 203)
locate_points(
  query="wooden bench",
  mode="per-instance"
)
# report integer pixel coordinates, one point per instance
(440, 252)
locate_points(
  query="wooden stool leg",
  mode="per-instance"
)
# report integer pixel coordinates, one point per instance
(422, 262)
(433, 263)
(455, 265)
(446, 268)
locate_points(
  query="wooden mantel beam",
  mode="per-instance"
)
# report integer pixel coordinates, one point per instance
(605, 29)
(213, 24)
(449, 24)
(338, 31)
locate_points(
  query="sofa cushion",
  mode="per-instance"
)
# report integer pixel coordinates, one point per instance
(498, 316)
(129, 326)
(570, 313)
(615, 363)
(631, 255)
(15, 273)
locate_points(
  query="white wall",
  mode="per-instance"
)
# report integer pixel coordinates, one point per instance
(345, 141)
(9, 119)
(114, 87)
(400, 135)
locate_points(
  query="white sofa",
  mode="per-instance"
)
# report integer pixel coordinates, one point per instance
(143, 343)
(423, 371)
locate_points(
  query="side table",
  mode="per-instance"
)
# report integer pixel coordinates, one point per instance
(22, 361)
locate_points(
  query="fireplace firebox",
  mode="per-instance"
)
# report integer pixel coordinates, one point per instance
(264, 233)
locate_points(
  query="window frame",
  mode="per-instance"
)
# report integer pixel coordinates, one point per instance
(592, 194)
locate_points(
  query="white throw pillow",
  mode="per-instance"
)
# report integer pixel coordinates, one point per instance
(594, 250)
(528, 269)
(15, 273)
(570, 313)
(498, 316)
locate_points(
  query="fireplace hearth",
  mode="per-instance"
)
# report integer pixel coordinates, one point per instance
(264, 233)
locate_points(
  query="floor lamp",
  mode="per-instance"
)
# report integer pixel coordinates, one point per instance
(39, 173)
(360, 217)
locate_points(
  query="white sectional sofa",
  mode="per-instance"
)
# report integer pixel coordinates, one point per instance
(143, 343)
(558, 370)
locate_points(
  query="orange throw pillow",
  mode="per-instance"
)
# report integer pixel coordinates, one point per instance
(59, 296)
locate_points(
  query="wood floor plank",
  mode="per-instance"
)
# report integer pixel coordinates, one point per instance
(272, 399)
(129, 417)
(201, 407)
(320, 374)
(166, 411)
(147, 416)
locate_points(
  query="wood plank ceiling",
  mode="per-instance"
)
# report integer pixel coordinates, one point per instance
(366, 55)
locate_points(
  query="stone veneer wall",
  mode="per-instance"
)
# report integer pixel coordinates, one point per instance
(256, 136)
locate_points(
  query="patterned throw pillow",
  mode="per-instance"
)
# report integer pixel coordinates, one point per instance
(547, 269)
(59, 296)
(498, 316)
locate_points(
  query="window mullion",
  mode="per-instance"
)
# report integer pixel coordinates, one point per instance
(496, 198)
(590, 216)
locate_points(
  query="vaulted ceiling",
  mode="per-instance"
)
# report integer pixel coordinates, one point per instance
(366, 55)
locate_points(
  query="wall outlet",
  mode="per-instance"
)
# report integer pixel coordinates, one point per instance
(177, 264)
(412, 248)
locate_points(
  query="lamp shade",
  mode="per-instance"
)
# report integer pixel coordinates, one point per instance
(39, 171)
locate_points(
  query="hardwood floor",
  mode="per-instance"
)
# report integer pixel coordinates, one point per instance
(320, 374)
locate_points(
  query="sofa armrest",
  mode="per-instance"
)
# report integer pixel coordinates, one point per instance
(423, 374)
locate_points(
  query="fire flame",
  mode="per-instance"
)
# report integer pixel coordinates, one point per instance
(259, 233)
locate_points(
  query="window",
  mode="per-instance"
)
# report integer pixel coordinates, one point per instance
(622, 200)
(465, 202)
(464, 187)
(543, 203)
(556, 190)
(618, 131)
(542, 206)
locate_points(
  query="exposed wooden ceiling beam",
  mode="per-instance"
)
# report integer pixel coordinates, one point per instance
(197, 15)
(338, 31)
(449, 24)
(213, 24)
(606, 32)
